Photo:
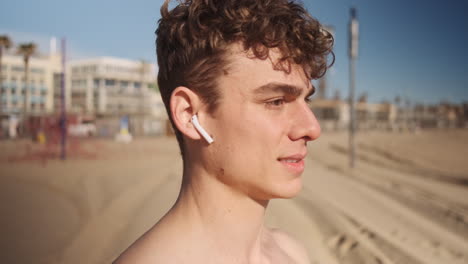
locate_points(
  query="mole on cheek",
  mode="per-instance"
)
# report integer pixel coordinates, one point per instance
(220, 174)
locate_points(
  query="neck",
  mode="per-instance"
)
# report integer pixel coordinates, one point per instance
(229, 220)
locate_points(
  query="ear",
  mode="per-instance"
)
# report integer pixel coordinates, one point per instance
(184, 104)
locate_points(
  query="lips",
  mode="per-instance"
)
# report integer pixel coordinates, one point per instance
(294, 163)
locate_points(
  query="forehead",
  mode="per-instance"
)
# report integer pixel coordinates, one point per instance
(248, 72)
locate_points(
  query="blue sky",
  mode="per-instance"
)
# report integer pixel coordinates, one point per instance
(415, 48)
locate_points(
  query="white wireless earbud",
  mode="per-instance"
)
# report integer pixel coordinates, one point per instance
(200, 129)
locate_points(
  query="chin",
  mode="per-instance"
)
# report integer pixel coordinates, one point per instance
(290, 189)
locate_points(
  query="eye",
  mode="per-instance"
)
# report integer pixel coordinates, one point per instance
(275, 103)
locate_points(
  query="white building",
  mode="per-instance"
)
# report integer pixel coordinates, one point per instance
(44, 78)
(112, 86)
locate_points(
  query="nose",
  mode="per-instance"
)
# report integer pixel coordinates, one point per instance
(304, 124)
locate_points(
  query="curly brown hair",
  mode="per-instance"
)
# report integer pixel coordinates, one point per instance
(193, 37)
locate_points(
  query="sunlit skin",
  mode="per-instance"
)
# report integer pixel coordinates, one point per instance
(260, 129)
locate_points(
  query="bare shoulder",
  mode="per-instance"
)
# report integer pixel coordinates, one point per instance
(148, 249)
(138, 252)
(290, 246)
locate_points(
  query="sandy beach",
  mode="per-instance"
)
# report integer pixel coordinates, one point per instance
(405, 202)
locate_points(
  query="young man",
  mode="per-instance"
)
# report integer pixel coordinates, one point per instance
(243, 69)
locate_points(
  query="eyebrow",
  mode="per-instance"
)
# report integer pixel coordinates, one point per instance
(283, 88)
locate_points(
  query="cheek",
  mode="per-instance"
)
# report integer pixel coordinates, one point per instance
(250, 137)
(269, 130)
(249, 132)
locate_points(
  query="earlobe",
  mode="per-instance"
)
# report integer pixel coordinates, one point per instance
(184, 104)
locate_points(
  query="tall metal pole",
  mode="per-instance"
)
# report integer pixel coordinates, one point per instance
(353, 53)
(352, 111)
(1, 82)
(63, 116)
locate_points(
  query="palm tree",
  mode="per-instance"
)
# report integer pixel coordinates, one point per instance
(5, 43)
(27, 50)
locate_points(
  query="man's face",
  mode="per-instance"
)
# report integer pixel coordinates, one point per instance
(261, 127)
